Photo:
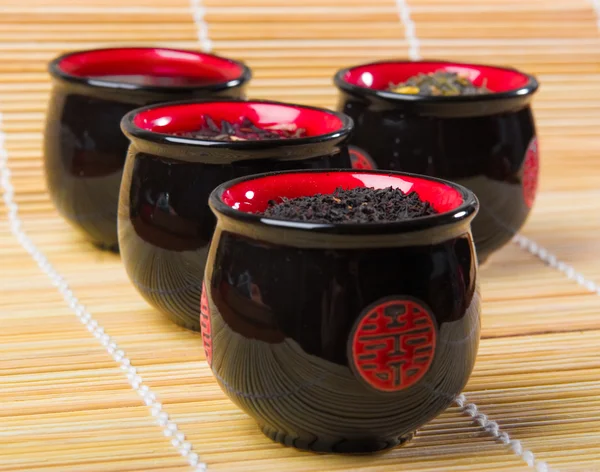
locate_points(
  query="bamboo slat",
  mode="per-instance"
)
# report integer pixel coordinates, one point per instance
(64, 403)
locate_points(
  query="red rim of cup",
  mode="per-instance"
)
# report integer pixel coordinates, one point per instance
(511, 89)
(88, 66)
(242, 198)
(376, 77)
(158, 123)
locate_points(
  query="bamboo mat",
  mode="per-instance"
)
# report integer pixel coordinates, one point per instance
(65, 405)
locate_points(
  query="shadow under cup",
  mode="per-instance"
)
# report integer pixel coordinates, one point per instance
(92, 90)
(485, 142)
(165, 224)
(340, 337)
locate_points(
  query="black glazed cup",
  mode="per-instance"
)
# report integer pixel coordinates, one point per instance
(92, 90)
(165, 224)
(485, 142)
(340, 337)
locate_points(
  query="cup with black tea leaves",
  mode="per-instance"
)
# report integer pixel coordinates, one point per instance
(92, 90)
(340, 309)
(179, 153)
(468, 123)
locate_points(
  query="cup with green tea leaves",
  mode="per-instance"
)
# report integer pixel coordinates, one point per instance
(468, 123)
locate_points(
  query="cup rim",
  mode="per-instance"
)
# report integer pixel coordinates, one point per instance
(465, 211)
(530, 86)
(133, 130)
(56, 70)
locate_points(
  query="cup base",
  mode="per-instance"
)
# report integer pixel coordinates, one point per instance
(342, 446)
(107, 247)
(483, 261)
(482, 258)
(186, 324)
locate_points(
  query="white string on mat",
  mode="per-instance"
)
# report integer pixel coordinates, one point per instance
(550, 259)
(199, 14)
(596, 6)
(169, 427)
(491, 427)
(410, 30)
(546, 256)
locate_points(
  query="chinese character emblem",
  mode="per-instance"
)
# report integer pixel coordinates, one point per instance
(205, 325)
(393, 344)
(360, 160)
(530, 172)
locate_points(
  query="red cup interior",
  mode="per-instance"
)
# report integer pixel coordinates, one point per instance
(191, 116)
(154, 62)
(378, 76)
(253, 196)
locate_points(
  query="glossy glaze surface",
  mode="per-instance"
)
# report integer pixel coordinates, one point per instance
(486, 143)
(165, 225)
(340, 349)
(84, 147)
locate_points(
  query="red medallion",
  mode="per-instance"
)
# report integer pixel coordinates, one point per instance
(530, 172)
(205, 325)
(393, 344)
(360, 159)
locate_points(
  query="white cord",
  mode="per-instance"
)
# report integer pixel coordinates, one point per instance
(493, 429)
(410, 30)
(169, 427)
(199, 14)
(550, 259)
(596, 6)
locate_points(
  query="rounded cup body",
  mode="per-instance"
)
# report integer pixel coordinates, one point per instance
(340, 341)
(486, 143)
(84, 148)
(165, 224)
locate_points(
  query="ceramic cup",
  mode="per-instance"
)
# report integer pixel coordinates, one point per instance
(485, 142)
(340, 337)
(165, 225)
(92, 90)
